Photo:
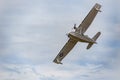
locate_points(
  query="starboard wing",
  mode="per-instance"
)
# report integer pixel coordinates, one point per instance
(65, 50)
(89, 18)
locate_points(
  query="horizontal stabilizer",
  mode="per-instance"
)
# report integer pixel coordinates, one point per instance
(94, 38)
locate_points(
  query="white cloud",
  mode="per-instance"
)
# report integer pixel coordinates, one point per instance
(43, 71)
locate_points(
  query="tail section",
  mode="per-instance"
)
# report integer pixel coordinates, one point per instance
(94, 38)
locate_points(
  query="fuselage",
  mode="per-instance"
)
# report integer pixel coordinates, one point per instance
(80, 37)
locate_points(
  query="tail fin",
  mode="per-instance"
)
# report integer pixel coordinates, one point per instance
(94, 38)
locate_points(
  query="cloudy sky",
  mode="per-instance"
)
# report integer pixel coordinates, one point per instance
(32, 32)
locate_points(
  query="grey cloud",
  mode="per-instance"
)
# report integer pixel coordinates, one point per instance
(11, 70)
(32, 32)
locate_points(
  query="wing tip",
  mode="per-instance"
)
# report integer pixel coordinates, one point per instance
(97, 4)
(97, 7)
(57, 61)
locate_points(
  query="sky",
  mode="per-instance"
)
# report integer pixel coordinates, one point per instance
(32, 32)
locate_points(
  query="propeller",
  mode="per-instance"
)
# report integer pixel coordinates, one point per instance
(74, 27)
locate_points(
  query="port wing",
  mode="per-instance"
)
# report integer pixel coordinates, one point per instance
(65, 50)
(89, 18)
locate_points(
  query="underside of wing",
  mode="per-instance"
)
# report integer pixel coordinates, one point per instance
(65, 50)
(89, 18)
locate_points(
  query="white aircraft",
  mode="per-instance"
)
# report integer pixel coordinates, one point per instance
(78, 34)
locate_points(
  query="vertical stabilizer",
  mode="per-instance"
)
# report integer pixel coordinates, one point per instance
(94, 38)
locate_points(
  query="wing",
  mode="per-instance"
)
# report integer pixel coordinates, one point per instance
(89, 18)
(65, 50)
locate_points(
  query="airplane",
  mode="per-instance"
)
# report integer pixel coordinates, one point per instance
(78, 35)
